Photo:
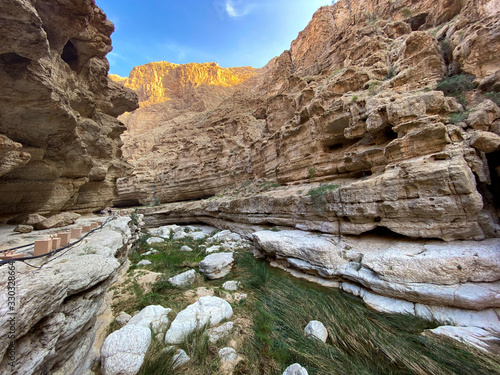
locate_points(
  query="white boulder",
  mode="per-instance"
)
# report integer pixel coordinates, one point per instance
(197, 235)
(295, 369)
(228, 354)
(231, 285)
(179, 235)
(212, 249)
(180, 358)
(123, 351)
(207, 310)
(183, 279)
(216, 266)
(152, 240)
(220, 332)
(144, 263)
(154, 317)
(185, 248)
(317, 330)
(123, 318)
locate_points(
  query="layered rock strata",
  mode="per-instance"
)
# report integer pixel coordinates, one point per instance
(58, 303)
(59, 136)
(352, 103)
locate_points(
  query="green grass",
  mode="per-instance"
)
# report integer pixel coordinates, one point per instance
(360, 341)
(278, 307)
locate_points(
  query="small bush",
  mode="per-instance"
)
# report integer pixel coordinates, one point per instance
(355, 98)
(312, 173)
(456, 118)
(457, 86)
(391, 72)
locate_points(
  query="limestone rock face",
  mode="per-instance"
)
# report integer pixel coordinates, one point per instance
(353, 103)
(59, 136)
(463, 274)
(58, 304)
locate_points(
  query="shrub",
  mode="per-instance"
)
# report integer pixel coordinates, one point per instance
(457, 86)
(391, 72)
(456, 118)
(312, 173)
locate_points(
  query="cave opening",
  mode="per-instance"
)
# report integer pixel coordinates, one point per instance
(494, 167)
(70, 55)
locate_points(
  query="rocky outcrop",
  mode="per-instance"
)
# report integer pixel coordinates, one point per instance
(57, 304)
(353, 103)
(59, 136)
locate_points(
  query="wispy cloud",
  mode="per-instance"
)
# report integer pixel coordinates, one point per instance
(233, 8)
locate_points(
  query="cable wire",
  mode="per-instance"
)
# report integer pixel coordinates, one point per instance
(68, 246)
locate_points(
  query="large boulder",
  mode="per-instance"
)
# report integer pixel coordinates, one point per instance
(57, 221)
(206, 311)
(123, 351)
(216, 266)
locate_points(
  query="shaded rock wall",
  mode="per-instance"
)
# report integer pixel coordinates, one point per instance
(352, 103)
(60, 147)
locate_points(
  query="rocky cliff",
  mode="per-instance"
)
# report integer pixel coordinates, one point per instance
(388, 101)
(59, 136)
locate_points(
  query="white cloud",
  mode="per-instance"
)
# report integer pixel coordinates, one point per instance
(233, 8)
(230, 9)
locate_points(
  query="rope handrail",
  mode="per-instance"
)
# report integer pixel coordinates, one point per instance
(53, 251)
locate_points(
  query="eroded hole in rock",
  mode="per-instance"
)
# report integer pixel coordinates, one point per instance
(70, 55)
(14, 64)
(124, 203)
(494, 166)
(390, 134)
(418, 20)
(384, 232)
(361, 174)
(13, 58)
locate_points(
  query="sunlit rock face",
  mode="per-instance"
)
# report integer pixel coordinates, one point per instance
(59, 136)
(354, 103)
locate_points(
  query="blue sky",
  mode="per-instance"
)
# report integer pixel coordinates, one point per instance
(229, 32)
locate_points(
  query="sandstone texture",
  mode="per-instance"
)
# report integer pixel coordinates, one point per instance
(57, 305)
(59, 136)
(355, 103)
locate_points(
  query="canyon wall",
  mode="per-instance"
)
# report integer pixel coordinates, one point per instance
(59, 136)
(353, 103)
